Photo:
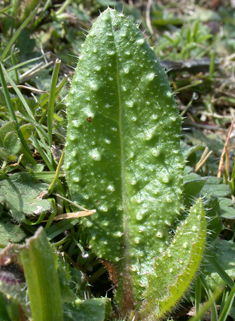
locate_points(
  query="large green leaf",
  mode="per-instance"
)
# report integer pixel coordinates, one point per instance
(123, 153)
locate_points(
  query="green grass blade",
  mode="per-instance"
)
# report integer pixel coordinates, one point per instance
(218, 268)
(14, 63)
(42, 13)
(60, 227)
(60, 86)
(13, 116)
(17, 33)
(27, 108)
(212, 65)
(193, 84)
(46, 176)
(57, 173)
(228, 305)
(207, 305)
(198, 296)
(214, 316)
(3, 10)
(63, 7)
(39, 264)
(52, 99)
(52, 215)
(41, 152)
(224, 300)
(41, 132)
(39, 220)
(24, 63)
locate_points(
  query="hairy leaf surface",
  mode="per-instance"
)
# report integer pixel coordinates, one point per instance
(122, 153)
(177, 266)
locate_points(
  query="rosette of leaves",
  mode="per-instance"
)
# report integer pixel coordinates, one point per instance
(123, 159)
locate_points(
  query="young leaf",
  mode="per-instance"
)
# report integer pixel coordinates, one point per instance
(177, 267)
(123, 152)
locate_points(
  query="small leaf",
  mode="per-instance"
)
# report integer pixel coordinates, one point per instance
(175, 269)
(12, 143)
(214, 187)
(97, 309)
(10, 233)
(20, 195)
(5, 129)
(227, 208)
(6, 156)
(27, 130)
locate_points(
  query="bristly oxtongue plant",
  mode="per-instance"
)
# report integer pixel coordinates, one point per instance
(123, 159)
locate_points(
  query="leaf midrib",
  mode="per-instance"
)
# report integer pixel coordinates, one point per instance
(120, 137)
(129, 301)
